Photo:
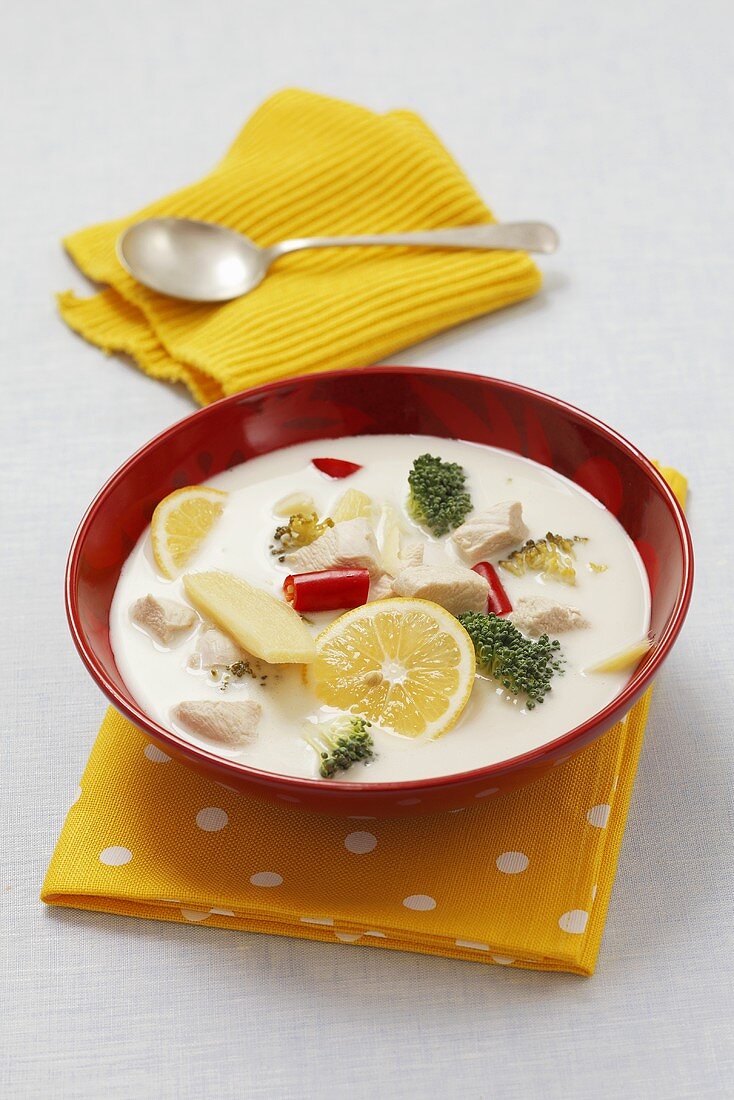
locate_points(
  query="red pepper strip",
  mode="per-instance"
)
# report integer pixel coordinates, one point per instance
(335, 467)
(328, 589)
(497, 601)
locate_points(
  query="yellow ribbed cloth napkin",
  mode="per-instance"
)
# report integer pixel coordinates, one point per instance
(306, 165)
(522, 882)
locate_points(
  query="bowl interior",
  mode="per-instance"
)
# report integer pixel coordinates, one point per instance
(381, 400)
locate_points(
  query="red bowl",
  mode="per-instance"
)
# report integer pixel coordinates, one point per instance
(404, 400)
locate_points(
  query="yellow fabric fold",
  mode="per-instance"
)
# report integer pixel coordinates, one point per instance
(305, 165)
(523, 882)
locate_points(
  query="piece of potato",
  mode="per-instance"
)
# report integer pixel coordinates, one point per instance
(626, 658)
(293, 503)
(352, 505)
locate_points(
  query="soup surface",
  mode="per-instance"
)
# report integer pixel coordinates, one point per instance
(610, 592)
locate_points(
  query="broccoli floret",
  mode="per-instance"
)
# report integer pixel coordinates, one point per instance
(554, 556)
(300, 530)
(438, 496)
(520, 665)
(342, 744)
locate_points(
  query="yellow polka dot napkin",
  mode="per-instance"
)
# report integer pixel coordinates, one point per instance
(522, 881)
(306, 165)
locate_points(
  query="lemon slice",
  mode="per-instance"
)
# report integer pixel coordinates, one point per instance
(406, 665)
(180, 524)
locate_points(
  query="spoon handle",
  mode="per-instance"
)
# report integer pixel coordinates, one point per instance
(523, 236)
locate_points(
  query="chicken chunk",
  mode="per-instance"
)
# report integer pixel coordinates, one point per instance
(491, 530)
(411, 553)
(536, 615)
(381, 589)
(215, 648)
(347, 545)
(452, 586)
(229, 724)
(163, 619)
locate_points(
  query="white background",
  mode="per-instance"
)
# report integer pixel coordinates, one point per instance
(612, 121)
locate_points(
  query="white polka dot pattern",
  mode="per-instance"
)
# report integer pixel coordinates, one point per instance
(360, 843)
(512, 863)
(156, 755)
(420, 902)
(599, 815)
(115, 856)
(266, 878)
(211, 819)
(574, 921)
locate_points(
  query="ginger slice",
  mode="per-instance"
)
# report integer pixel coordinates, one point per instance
(263, 625)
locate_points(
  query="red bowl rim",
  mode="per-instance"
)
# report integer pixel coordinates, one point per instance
(605, 717)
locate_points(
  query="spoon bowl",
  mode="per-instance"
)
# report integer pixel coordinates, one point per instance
(202, 262)
(193, 260)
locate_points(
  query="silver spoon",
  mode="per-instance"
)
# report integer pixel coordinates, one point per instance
(202, 262)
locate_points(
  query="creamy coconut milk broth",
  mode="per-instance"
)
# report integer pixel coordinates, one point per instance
(494, 725)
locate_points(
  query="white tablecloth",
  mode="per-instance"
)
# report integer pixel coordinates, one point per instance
(614, 123)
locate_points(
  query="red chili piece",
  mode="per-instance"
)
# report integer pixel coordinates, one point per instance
(327, 590)
(498, 601)
(335, 467)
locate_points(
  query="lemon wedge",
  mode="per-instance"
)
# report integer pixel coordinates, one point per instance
(180, 524)
(407, 665)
